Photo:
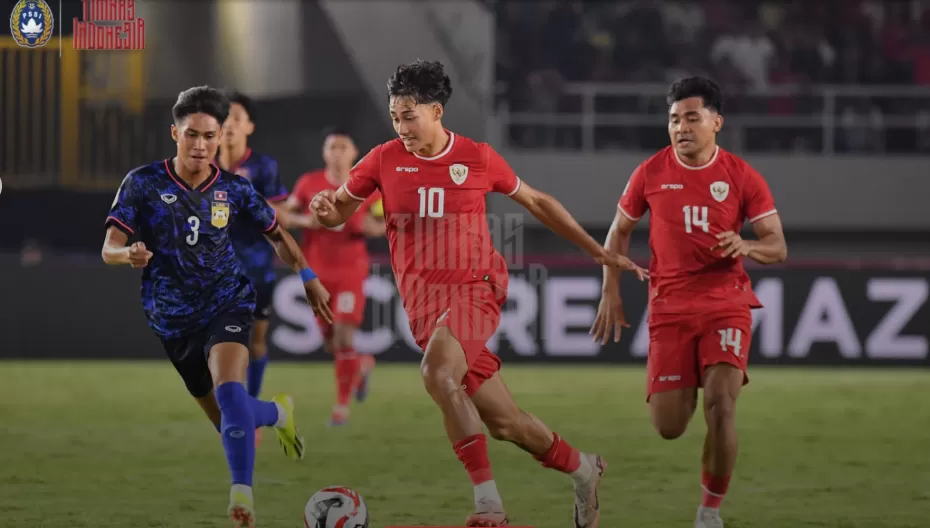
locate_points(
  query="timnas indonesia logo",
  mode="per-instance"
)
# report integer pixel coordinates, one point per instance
(109, 25)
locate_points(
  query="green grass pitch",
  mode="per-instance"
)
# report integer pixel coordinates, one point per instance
(121, 445)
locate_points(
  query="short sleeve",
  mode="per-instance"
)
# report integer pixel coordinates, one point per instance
(256, 210)
(365, 176)
(633, 201)
(501, 177)
(758, 202)
(126, 204)
(269, 183)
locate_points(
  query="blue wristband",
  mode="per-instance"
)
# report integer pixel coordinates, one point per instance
(307, 275)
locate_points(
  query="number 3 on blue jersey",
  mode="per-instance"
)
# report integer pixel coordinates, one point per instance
(195, 230)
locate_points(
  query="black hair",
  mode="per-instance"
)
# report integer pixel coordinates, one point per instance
(701, 87)
(336, 131)
(424, 81)
(244, 100)
(201, 100)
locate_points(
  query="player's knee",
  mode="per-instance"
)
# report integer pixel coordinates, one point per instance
(258, 350)
(439, 377)
(669, 429)
(719, 408)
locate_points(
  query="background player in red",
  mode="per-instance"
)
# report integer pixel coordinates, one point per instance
(453, 282)
(343, 254)
(700, 297)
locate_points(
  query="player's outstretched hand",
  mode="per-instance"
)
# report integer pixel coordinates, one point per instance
(732, 245)
(324, 203)
(139, 256)
(610, 319)
(318, 298)
(614, 260)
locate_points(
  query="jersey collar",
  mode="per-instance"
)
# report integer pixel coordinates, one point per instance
(235, 166)
(184, 185)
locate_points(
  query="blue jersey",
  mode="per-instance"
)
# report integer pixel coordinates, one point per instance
(254, 251)
(194, 273)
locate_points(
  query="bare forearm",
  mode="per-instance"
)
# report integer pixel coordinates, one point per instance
(554, 216)
(770, 249)
(618, 242)
(286, 248)
(114, 255)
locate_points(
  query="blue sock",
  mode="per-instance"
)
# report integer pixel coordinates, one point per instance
(264, 412)
(238, 431)
(256, 374)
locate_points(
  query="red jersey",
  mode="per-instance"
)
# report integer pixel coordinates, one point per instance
(689, 207)
(340, 251)
(436, 217)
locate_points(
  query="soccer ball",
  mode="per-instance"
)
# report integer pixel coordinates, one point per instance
(336, 507)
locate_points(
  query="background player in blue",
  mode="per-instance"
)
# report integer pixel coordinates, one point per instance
(255, 253)
(194, 293)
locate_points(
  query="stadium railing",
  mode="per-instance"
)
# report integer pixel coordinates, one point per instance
(590, 112)
(69, 117)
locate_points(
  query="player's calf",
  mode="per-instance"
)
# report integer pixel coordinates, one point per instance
(722, 384)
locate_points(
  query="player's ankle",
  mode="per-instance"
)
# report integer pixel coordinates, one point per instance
(243, 489)
(487, 498)
(585, 471)
(282, 415)
(714, 489)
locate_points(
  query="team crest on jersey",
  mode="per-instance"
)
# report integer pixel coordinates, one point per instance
(458, 172)
(219, 196)
(169, 198)
(720, 190)
(219, 215)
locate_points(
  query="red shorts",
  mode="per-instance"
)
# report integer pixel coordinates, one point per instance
(682, 346)
(346, 300)
(473, 314)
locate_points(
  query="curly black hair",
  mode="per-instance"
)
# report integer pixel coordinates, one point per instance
(201, 100)
(245, 101)
(424, 81)
(701, 87)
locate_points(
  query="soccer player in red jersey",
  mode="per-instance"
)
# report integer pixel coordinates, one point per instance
(453, 282)
(342, 252)
(700, 297)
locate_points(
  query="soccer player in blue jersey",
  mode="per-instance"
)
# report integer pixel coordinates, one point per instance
(254, 252)
(195, 294)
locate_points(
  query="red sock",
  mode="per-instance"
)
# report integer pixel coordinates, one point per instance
(347, 367)
(561, 456)
(715, 488)
(473, 452)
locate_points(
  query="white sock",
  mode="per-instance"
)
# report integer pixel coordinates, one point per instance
(583, 474)
(487, 498)
(241, 488)
(282, 415)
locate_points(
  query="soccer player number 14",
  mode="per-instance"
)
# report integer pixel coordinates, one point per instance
(695, 218)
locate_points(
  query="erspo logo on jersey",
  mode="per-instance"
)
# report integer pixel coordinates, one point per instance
(109, 25)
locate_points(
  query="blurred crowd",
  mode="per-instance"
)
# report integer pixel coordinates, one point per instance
(746, 45)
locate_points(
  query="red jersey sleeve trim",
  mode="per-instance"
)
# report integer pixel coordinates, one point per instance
(517, 188)
(763, 215)
(628, 215)
(112, 220)
(274, 224)
(345, 187)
